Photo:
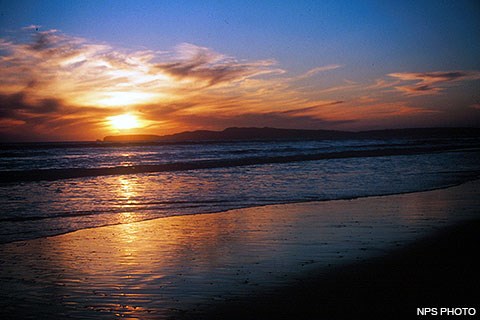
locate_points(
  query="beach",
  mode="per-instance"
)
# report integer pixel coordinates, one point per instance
(438, 274)
(381, 256)
(203, 160)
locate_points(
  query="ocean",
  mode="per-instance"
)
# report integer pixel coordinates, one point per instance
(54, 188)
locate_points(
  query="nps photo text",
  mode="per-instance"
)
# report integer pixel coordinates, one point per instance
(464, 311)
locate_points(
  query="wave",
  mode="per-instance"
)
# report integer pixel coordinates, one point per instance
(139, 207)
(70, 173)
(215, 206)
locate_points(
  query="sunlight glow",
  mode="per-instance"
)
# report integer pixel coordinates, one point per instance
(112, 99)
(124, 121)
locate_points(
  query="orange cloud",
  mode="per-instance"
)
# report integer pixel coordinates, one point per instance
(56, 86)
(312, 72)
(89, 79)
(431, 82)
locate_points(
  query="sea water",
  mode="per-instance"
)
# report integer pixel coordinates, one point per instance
(36, 202)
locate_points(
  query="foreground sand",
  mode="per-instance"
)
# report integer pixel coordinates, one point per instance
(306, 260)
(439, 271)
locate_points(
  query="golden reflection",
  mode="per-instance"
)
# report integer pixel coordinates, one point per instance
(129, 268)
(128, 194)
(150, 260)
(126, 189)
(193, 242)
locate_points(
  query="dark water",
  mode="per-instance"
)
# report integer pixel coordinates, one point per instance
(53, 188)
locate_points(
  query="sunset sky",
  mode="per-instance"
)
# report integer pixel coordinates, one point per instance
(81, 70)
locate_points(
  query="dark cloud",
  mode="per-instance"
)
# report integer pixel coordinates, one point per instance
(203, 64)
(211, 74)
(43, 40)
(15, 106)
(47, 106)
(25, 120)
(11, 104)
(431, 82)
(50, 44)
(312, 108)
(445, 76)
(422, 88)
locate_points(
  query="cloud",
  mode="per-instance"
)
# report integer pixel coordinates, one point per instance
(310, 73)
(431, 82)
(200, 63)
(57, 86)
(52, 82)
(45, 118)
(15, 106)
(35, 27)
(84, 72)
(313, 108)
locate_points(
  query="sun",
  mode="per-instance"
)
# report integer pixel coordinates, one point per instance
(124, 122)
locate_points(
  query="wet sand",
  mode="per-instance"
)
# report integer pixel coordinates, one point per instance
(378, 256)
(439, 271)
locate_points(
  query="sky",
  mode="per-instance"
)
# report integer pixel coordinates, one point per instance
(81, 70)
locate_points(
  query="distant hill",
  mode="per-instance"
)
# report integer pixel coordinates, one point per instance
(132, 138)
(245, 134)
(257, 134)
(232, 134)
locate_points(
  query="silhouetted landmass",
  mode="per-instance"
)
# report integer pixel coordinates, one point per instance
(242, 134)
(234, 133)
(132, 138)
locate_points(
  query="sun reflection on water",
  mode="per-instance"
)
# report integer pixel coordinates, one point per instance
(126, 188)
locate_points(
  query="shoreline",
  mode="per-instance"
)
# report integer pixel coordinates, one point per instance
(314, 201)
(184, 265)
(300, 202)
